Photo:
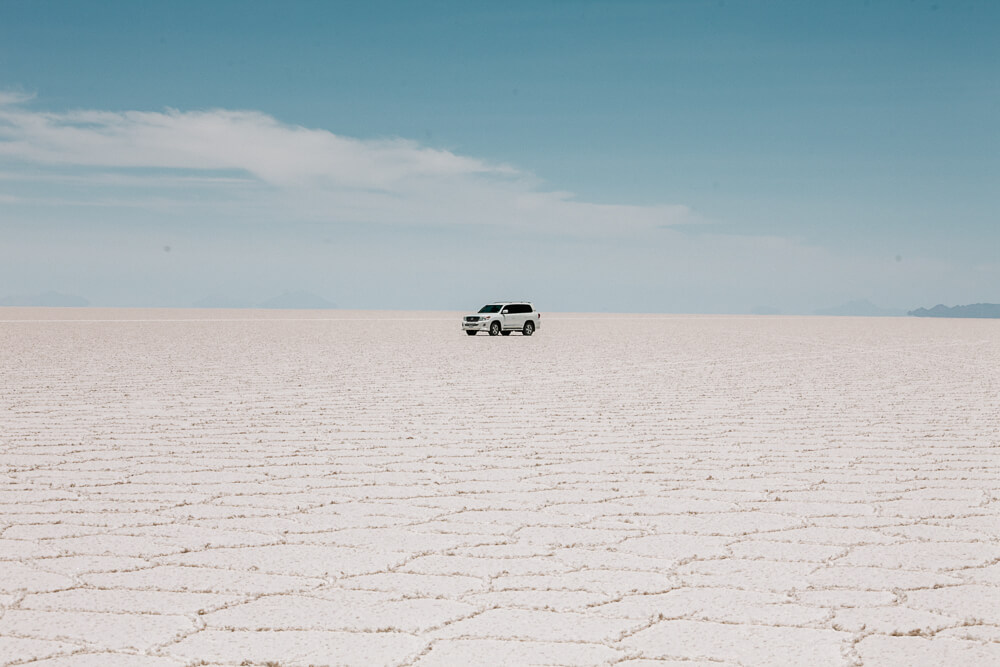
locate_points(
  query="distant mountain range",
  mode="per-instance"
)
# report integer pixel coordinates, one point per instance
(980, 310)
(298, 300)
(301, 300)
(216, 301)
(46, 300)
(861, 308)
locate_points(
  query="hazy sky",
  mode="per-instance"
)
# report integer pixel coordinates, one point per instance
(623, 156)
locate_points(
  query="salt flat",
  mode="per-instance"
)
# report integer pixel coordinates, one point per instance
(210, 487)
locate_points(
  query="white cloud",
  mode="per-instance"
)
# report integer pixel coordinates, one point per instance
(296, 171)
(11, 97)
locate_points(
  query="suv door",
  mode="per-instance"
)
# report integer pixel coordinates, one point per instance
(518, 314)
(509, 313)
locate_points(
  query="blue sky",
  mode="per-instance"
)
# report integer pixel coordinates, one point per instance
(623, 156)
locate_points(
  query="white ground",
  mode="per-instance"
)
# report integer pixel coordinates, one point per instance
(188, 487)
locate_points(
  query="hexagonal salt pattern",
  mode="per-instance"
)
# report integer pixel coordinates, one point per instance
(229, 488)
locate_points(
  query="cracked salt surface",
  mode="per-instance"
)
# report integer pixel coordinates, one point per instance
(378, 489)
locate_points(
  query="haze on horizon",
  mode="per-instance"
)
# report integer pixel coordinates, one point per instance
(593, 156)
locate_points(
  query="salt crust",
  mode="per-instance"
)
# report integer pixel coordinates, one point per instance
(185, 487)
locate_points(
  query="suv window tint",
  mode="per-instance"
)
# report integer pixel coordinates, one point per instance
(526, 308)
(490, 309)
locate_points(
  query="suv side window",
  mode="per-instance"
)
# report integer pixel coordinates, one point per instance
(526, 308)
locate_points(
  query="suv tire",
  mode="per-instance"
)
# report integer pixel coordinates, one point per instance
(529, 328)
(495, 328)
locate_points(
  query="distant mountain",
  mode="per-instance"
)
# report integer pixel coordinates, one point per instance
(862, 308)
(216, 301)
(298, 301)
(46, 300)
(980, 310)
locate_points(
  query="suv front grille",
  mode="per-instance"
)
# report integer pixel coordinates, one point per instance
(471, 319)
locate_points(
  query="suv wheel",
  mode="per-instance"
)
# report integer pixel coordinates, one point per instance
(495, 328)
(529, 328)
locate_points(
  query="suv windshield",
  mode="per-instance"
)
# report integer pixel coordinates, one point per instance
(490, 309)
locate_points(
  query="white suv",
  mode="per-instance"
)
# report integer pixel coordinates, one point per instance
(503, 317)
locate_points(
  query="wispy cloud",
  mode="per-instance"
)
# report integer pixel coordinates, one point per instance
(310, 173)
(8, 97)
